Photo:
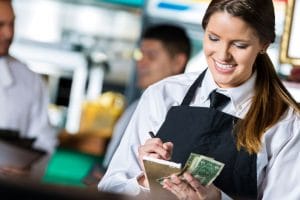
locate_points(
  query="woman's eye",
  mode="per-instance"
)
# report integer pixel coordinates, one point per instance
(212, 38)
(241, 46)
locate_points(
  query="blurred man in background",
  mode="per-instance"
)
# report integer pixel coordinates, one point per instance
(23, 95)
(164, 51)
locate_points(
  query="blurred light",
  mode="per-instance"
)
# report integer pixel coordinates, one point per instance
(137, 54)
(38, 20)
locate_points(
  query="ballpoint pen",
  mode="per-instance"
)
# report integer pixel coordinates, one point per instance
(152, 134)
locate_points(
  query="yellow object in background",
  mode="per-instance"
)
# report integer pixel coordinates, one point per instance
(100, 115)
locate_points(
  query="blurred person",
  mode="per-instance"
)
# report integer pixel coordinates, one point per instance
(164, 51)
(23, 94)
(254, 129)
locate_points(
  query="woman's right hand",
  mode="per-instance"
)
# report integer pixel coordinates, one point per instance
(155, 148)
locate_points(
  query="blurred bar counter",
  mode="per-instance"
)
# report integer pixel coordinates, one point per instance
(16, 187)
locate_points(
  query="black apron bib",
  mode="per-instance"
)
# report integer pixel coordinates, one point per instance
(209, 132)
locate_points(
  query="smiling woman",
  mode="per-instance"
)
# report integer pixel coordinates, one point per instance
(231, 53)
(256, 134)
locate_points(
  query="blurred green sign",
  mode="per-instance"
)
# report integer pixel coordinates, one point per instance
(132, 3)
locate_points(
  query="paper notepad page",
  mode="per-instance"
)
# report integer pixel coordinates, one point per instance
(157, 168)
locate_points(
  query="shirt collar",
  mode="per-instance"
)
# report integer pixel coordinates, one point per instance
(208, 87)
(6, 78)
(238, 95)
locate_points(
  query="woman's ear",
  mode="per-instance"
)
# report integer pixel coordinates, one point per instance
(265, 47)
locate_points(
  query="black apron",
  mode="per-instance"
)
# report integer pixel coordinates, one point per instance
(209, 132)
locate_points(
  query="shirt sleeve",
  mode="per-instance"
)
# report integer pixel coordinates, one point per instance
(121, 175)
(39, 125)
(118, 133)
(281, 179)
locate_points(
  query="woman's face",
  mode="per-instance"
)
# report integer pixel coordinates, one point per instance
(230, 47)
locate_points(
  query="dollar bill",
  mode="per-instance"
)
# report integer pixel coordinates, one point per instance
(203, 168)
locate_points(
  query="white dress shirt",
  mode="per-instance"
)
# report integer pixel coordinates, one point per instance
(24, 104)
(118, 132)
(277, 163)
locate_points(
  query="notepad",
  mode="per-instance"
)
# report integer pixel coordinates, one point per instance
(157, 168)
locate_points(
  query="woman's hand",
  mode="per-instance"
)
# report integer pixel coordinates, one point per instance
(155, 148)
(189, 188)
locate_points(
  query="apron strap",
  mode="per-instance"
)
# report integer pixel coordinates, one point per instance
(192, 90)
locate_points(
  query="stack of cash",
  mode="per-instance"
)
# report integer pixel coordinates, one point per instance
(203, 168)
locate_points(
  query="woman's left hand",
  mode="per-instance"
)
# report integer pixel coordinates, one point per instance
(189, 188)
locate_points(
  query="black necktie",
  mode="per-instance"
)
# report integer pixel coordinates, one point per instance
(218, 100)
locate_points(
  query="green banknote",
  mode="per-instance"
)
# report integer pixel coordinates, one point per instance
(203, 168)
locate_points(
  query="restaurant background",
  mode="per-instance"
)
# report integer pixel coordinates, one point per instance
(85, 50)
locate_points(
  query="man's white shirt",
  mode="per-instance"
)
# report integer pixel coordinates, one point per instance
(24, 103)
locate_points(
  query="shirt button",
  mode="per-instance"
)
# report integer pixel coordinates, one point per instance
(240, 107)
(202, 98)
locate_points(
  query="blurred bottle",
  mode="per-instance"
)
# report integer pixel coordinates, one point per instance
(100, 115)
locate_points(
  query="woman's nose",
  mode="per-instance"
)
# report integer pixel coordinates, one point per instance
(224, 53)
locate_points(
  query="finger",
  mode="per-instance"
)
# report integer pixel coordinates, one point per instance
(178, 190)
(168, 146)
(194, 183)
(175, 179)
(154, 140)
(154, 155)
(178, 184)
(154, 146)
(150, 146)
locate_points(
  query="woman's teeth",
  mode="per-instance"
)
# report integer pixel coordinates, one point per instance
(224, 66)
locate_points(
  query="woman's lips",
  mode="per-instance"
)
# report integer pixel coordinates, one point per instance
(224, 67)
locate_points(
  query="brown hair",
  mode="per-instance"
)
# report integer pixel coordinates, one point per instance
(271, 99)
